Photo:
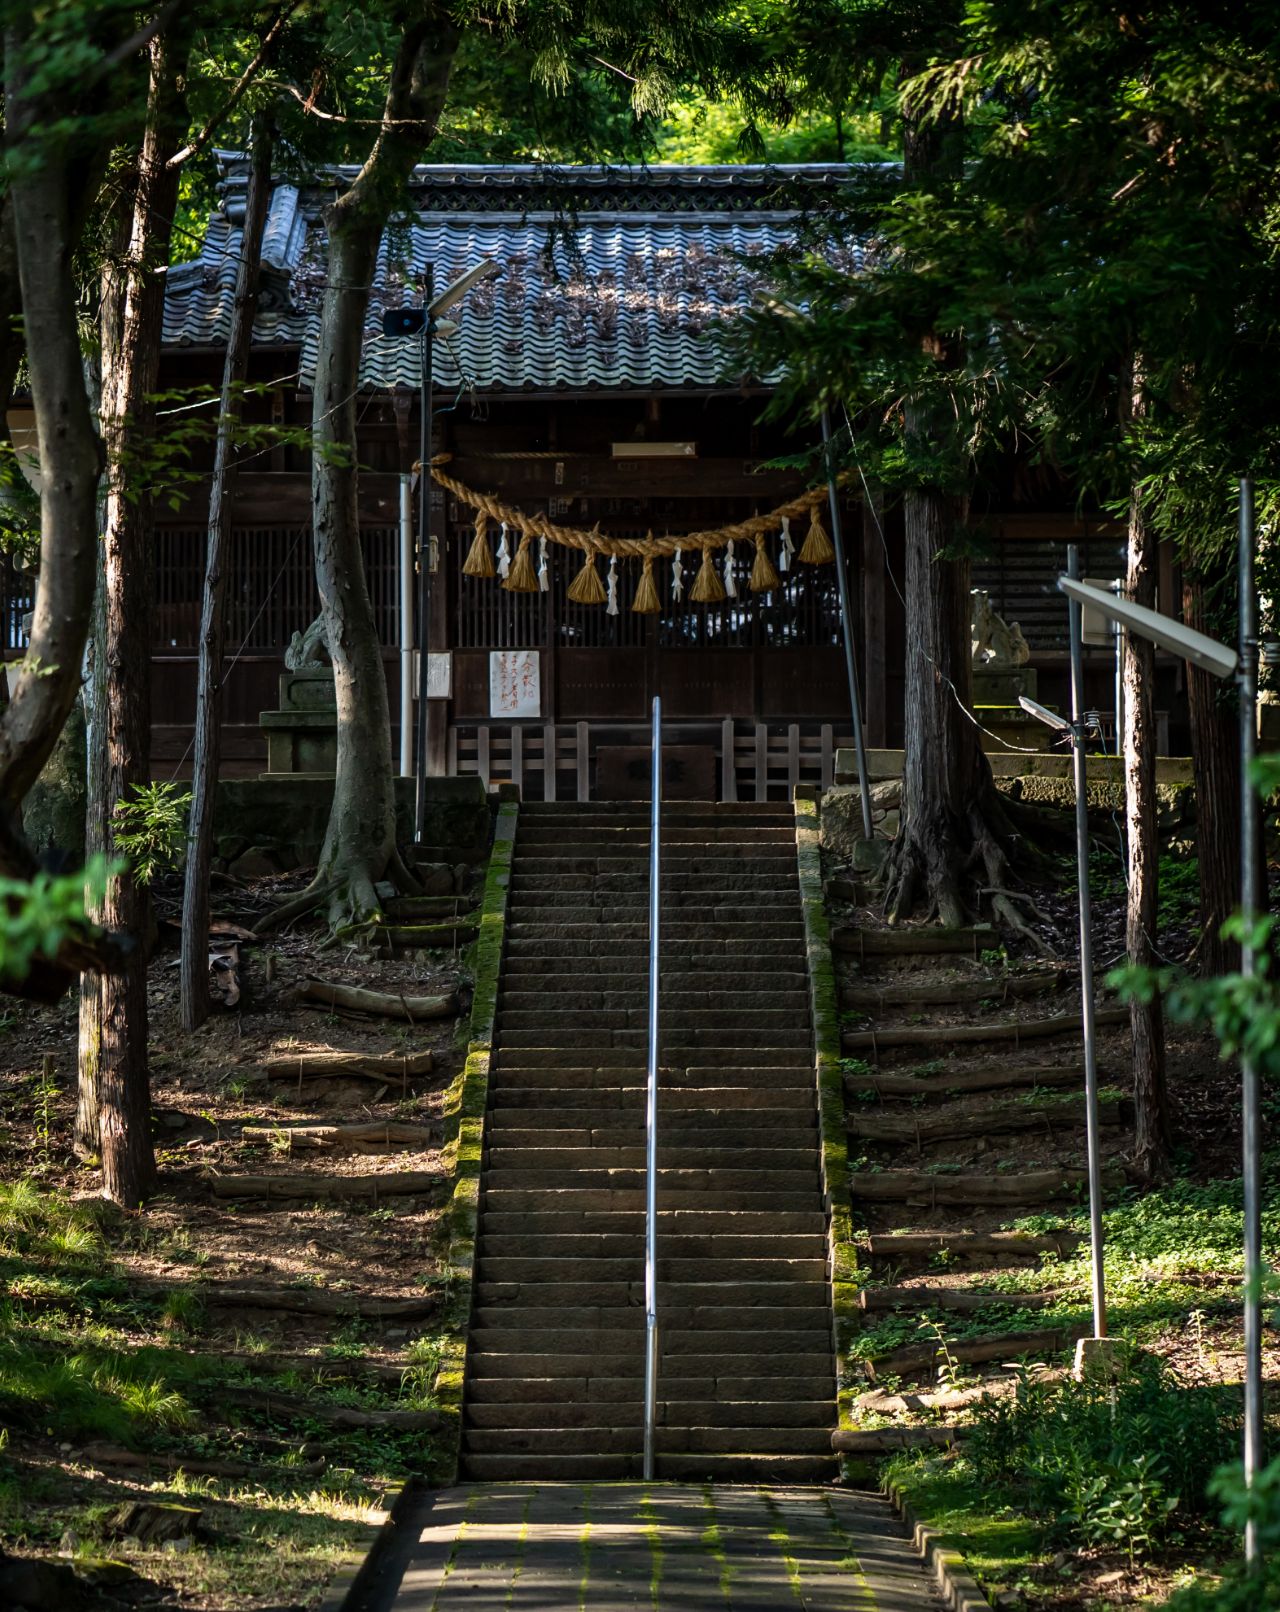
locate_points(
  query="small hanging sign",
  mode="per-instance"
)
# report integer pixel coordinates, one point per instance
(515, 683)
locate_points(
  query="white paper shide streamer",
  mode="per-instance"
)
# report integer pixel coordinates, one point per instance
(611, 608)
(677, 577)
(730, 573)
(544, 574)
(504, 553)
(788, 547)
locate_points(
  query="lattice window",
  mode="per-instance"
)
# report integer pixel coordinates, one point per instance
(1022, 580)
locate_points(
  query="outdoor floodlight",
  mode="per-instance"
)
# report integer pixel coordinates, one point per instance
(484, 270)
(1197, 647)
(1042, 713)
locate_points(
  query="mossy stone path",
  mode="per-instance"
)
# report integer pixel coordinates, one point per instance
(517, 1547)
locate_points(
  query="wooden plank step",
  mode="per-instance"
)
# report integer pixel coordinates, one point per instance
(1028, 1187)
(952, 1123)
(913, 941)
(972, 1244)
(913, 1359)
(998, 1076)
(948, 1298)
(972, 989)
(1013, 1031)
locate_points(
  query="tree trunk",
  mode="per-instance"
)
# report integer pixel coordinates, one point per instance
(133, 305)
(204, 768)
(951, 818)
(46, 195)
(1146, 1019)
(1215, 756)
(359, 844)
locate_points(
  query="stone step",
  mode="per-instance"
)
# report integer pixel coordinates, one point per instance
(625, 1059)
(533, 831)
(628, 1390)
(673, 811)
(675, 896)
(723, 1134)
(503, 1175)
(565, 1080)
(627, 1343)
(671, 982)
(801, 1365)
(502, 1154)
(671, 1413)
(616, 1020)
(581, 1220)
(786, 1105)
(526, 885)
(590, 1247)
(754, 1279)
(543, 1200)
(562, 955)
(676, 998)
(698, 1041)
(598, 1440)
(547, 863)
(545, 925)
(517, 1322)
(777, 1469)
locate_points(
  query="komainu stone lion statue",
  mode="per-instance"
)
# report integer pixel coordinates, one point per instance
(997, 643)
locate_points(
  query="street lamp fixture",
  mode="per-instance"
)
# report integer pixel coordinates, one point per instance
(425, 322)
(1221, 662)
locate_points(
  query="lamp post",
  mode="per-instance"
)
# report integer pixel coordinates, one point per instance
(1242, 663)
(426, 324)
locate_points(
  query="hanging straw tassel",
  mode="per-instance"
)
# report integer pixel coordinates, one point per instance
(707, 587)
(544, 571)
(504, 553)
(677, 576)
(788, 546)
(479, 561)
(817, 548)
(586, 587)
(764, 579)
(522, 578)
(646, 601)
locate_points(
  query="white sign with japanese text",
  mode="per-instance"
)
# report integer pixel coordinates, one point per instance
(515, 683)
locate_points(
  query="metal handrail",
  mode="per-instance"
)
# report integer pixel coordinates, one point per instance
(651, 1108)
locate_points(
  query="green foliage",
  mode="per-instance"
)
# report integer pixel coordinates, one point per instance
(1124, 1465)
(151, 828)
(36, 918)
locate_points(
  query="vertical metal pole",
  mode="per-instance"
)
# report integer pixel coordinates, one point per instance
(651, 1109)
(406, 627)
(1086, 954)
(1249, 896)
(846, 625)
(424, 552)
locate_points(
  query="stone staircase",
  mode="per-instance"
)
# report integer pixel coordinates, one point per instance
(556, 1356)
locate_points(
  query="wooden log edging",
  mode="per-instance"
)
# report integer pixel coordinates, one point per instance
(1016, 1031)
(842, 1251)
(464, 1115)
(960, 1591)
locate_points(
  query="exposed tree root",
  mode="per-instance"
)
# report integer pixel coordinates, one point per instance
(942, 867)
(402, 876)
(298, 906)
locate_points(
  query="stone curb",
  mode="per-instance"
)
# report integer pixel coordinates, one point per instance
(959, 1589)
(347, 1587)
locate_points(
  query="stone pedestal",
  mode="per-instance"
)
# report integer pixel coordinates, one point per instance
(302, 736)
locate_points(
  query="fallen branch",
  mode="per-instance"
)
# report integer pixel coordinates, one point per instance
(309, 1409)
(280, 1188)
(355, 999)
(1008, 1346)
(373, 1136)
(298, 1065)
(318, 1301)
(197, 1465)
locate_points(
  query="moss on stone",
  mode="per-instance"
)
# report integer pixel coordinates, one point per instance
(832, 1120)
(465, 1104)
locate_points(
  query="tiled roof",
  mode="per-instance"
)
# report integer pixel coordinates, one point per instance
(610, 279)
